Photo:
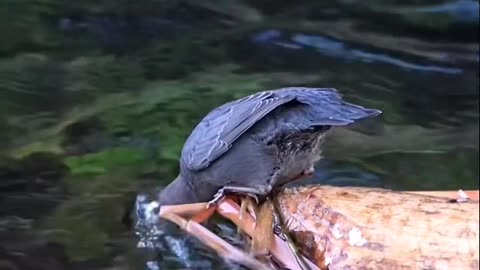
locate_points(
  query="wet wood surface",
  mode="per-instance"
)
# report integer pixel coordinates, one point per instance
(364, 228)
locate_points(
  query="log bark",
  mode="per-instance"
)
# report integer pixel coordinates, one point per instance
(364, 228)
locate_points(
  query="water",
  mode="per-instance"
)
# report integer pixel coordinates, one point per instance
(96, 102)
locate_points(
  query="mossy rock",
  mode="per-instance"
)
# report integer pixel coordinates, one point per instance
(37, 171)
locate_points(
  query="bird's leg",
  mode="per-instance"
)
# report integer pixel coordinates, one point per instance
(248, 191)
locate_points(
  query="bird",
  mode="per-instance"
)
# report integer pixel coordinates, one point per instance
(259, 142)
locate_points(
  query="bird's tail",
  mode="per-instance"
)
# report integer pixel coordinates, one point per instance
(357, 112)
(346, 113)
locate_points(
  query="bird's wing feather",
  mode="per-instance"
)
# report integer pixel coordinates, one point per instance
(216, 133)
(332, 110)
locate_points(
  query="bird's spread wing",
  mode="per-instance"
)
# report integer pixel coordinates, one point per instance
(216, 133)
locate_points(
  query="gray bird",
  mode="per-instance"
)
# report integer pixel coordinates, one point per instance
(257, 143)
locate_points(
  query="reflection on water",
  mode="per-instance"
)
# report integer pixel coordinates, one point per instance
(97, 101)
(340, 50)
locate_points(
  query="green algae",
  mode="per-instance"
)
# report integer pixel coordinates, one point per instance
(104, 161)
(162, 109)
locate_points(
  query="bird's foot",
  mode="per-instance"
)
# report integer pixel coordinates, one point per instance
(216, 198)
(308, 172)
(278, 230)
(254, 193)
(305, 174)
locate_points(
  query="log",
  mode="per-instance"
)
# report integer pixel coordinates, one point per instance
(365, 228)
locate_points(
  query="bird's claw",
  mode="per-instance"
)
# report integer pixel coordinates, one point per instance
(216, 198)
(221, 193)
(253, 196)
(308, 172)
(276, 229)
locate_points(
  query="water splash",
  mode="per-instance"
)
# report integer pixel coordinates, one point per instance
(155, 236)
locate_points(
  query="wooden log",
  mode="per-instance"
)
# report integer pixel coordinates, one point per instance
(471, 194)
(364, 228)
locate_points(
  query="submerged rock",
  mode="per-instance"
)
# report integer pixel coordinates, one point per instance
(36, 172)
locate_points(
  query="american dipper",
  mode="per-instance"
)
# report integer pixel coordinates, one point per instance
(257, 143)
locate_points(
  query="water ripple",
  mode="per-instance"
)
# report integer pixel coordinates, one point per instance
(341, 50)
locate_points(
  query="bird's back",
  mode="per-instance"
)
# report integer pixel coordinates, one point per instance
(268, 115)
